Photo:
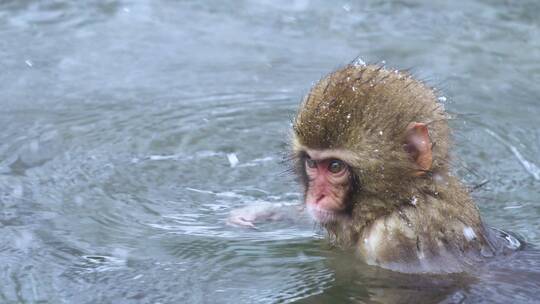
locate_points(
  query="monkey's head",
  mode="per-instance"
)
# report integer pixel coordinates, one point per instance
(367, 140)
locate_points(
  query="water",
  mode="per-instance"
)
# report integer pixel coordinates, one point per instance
(131, 129)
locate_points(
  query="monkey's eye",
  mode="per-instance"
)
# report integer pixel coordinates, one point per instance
(336, 166)
(311, 163)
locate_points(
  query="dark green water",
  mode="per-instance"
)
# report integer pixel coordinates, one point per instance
(117, 119)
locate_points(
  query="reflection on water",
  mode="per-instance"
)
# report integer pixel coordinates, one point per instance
(131, 129)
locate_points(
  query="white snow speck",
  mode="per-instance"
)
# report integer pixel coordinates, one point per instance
(469, 234)
(442, 99)
(233, 160)
(414, 200)
(359, 62)
(29, 62)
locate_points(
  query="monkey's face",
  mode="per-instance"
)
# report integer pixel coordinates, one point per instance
(362, 143)
(327, 184)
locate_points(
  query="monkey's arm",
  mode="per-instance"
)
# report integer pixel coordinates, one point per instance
(249, 215)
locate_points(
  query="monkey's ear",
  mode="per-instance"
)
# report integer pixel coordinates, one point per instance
(418, 145)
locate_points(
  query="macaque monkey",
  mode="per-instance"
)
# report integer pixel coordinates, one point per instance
(371, 149)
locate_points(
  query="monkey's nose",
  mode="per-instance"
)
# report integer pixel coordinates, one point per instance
(319, 198)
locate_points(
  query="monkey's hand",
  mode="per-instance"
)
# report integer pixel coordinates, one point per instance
(249, 215)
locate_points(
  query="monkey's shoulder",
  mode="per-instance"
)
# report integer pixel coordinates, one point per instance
(408, 241)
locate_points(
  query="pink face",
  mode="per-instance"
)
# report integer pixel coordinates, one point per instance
(327, 187)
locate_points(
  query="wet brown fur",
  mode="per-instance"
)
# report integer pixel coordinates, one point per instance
(366, 109)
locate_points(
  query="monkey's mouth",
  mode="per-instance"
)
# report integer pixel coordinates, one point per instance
(321, 215)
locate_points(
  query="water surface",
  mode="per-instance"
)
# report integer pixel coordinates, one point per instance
(121, 123)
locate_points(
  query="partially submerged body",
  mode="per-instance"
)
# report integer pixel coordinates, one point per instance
(414, 240)
(392, 242)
